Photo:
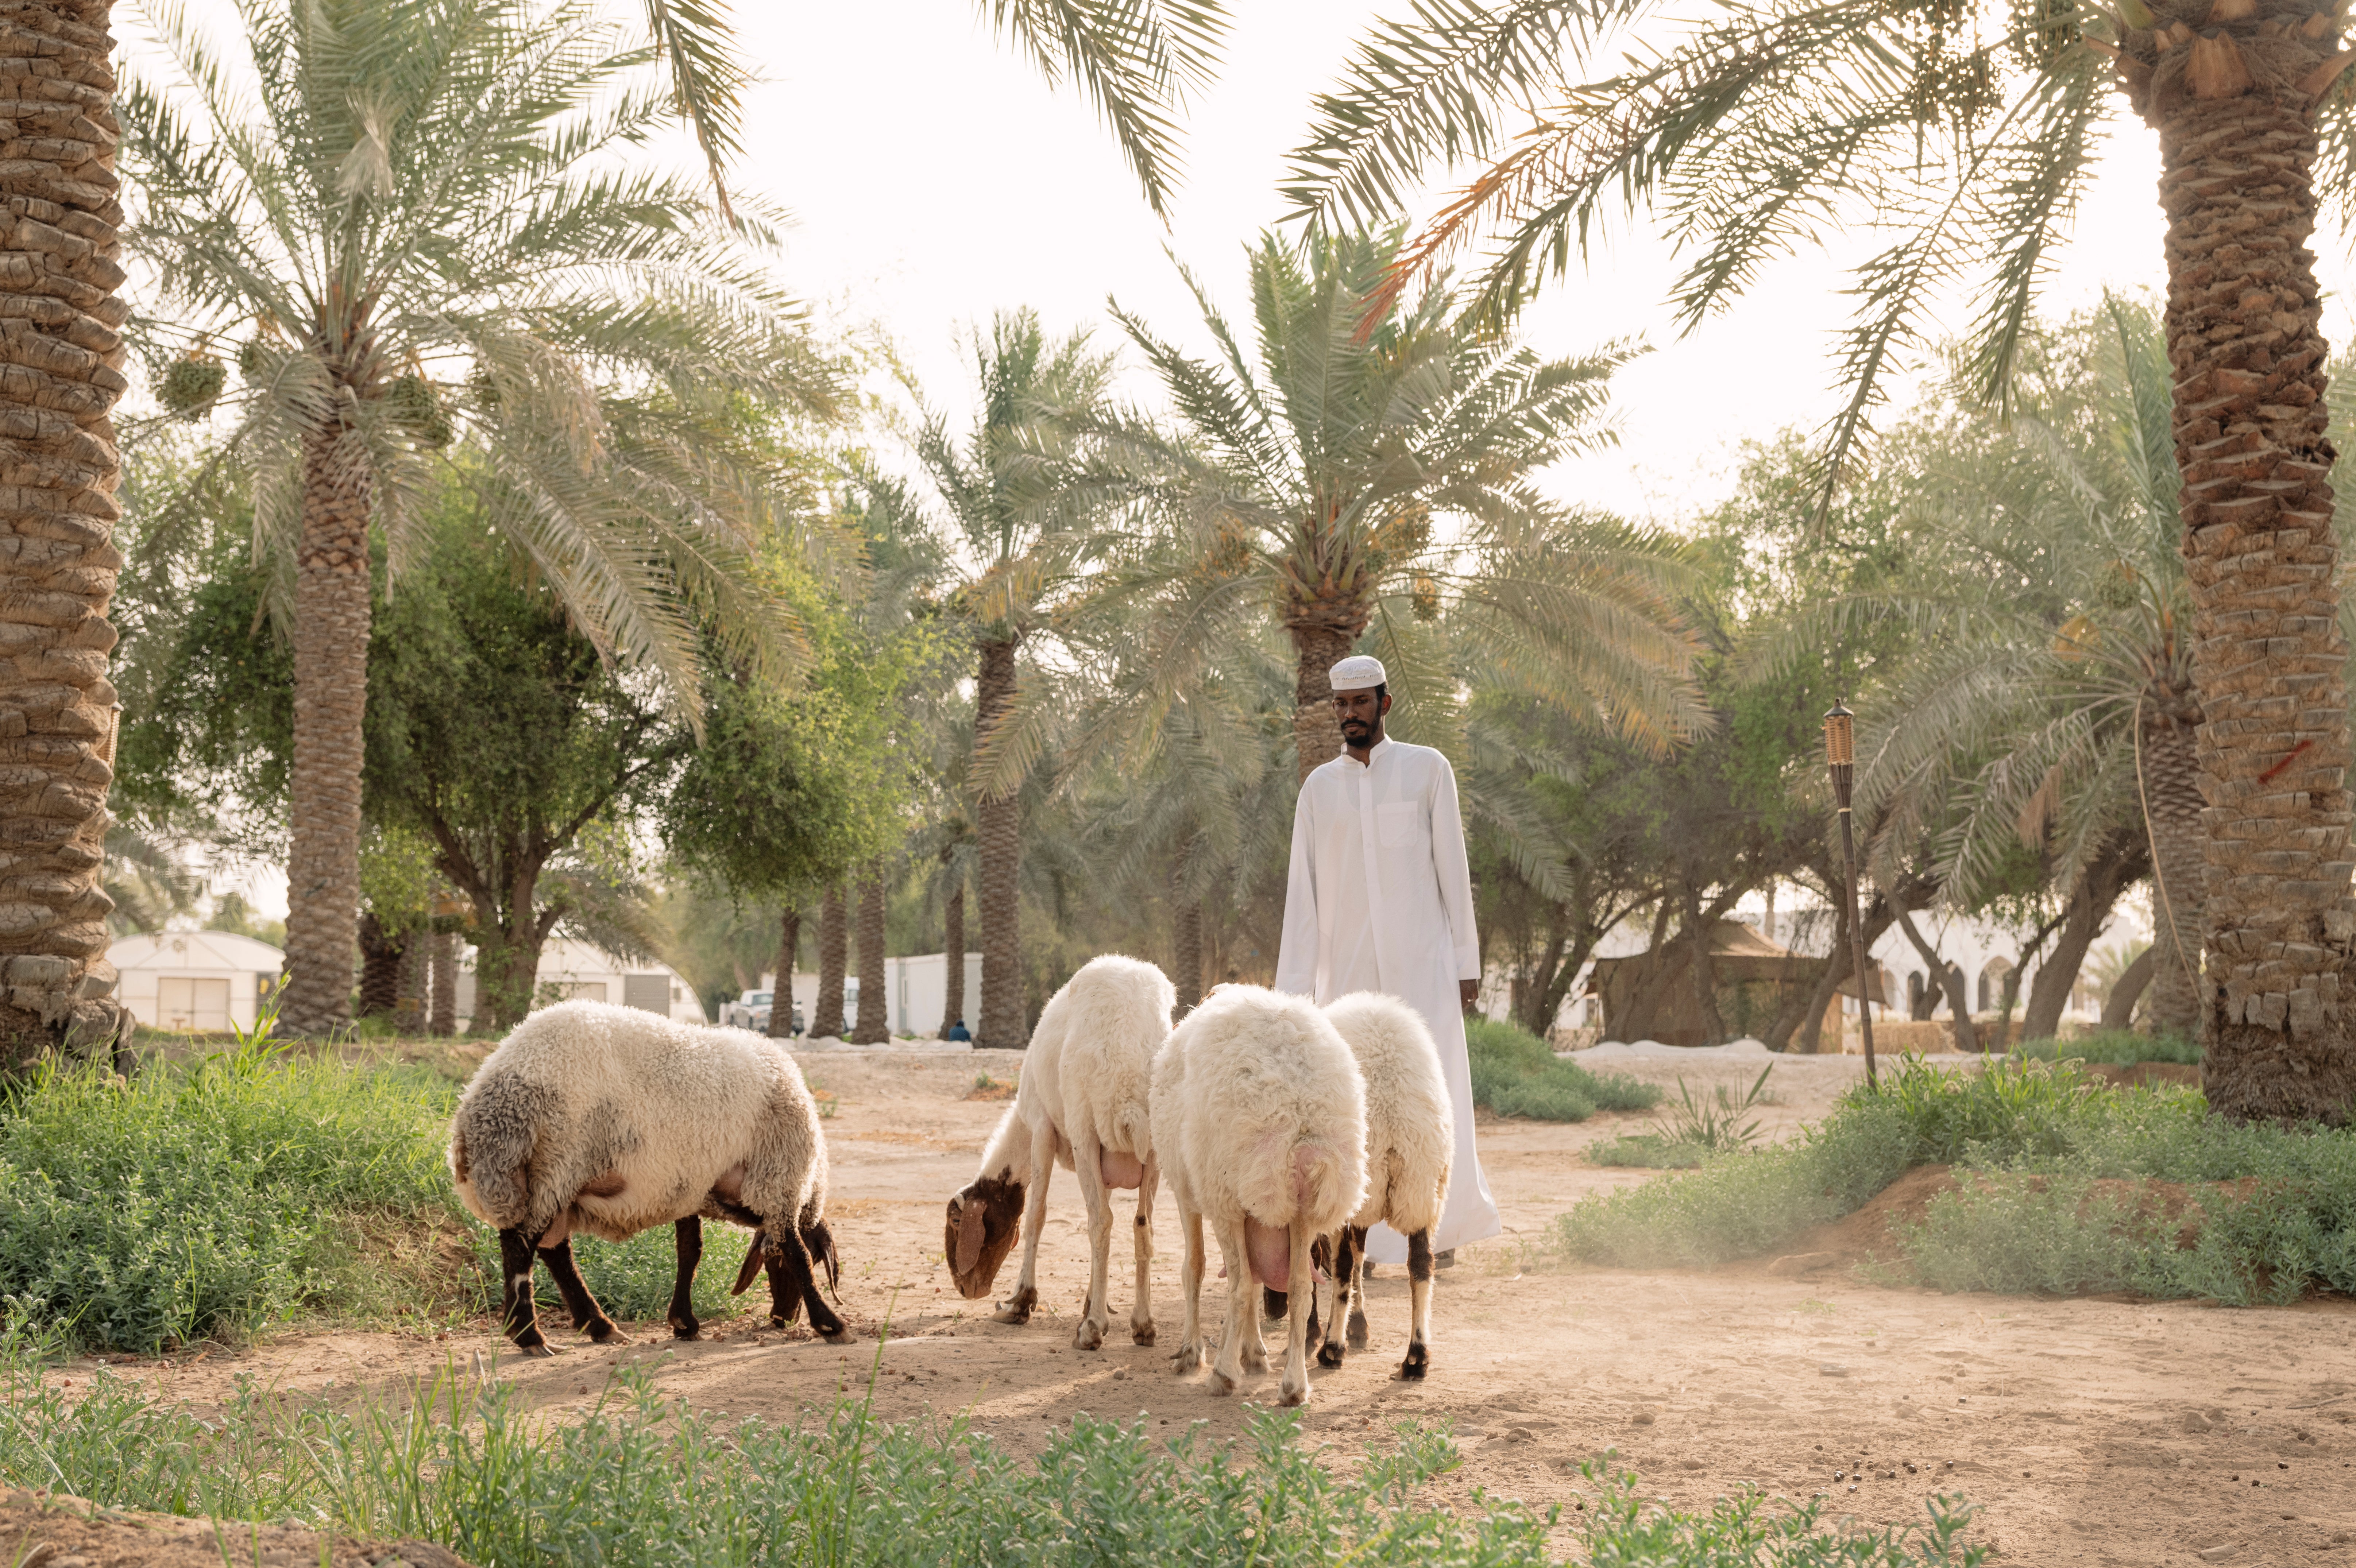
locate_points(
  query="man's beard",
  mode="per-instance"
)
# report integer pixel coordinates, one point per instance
(1357, 732)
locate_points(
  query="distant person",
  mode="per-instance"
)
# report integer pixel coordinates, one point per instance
(959, 1031)
(1380, 899)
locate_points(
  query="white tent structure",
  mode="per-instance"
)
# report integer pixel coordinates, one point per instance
(183, 980)
(572, 970)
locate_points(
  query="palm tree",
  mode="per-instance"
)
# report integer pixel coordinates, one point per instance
(1969, 137)
(2049, 694)
(1375, 464)
(420, 238)
(1012, 489)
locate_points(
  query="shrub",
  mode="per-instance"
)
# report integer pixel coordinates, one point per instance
(643, 1480)
(1515, 1073)
(2114, 1045)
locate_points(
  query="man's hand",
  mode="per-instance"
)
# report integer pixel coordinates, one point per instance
(1470, 990)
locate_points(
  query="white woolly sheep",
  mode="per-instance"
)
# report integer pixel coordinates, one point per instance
(1081, 1104)
(1260, 1122)
(1410, 1140)
(611, 1120)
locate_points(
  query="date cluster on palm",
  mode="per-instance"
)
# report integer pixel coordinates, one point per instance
(2230, 86)
(63, 353)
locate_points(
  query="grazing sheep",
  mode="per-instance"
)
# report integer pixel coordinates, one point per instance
(1082, 1104)
(611, 1120)
(1410, 1138)
(1260, 1122)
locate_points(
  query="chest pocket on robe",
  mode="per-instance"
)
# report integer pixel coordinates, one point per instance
(1401, 825)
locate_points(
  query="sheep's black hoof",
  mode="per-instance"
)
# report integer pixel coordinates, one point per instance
(1328, 1355)
(1418, 1360)
(537, 1348)
(603, 1332)
(1142, 1333)
(841, 1334)
(686, 1328)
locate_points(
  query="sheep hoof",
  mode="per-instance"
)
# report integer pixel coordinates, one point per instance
(1221, 1384)
(606, 1333)
(839, 1336)
(1286, 1398)
(1141, 1333)
(1188, 1359)
(541, 1349)
(1254, 1356)
(1017, 1316)
(1328, 1355)
(1419, 1361)
(1088, 1335)
(686, 1328)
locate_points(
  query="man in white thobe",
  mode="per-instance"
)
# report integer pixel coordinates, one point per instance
(1380, 899)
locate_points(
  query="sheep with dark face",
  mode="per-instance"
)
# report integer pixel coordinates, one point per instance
(1260, 1122)
(612, 1120)
(1081, 1104)
(1410, 1141)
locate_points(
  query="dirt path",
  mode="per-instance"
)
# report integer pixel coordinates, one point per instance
(2090, 1431)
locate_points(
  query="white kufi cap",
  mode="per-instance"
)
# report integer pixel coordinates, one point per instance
(1357, 673)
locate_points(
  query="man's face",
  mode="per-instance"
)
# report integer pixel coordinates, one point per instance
(1361, 714)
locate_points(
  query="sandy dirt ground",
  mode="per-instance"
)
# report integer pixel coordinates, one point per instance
(2113, 1432)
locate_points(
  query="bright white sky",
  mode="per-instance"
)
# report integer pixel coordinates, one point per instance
(932, 179)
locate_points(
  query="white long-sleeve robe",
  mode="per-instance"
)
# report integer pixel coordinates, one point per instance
(1380, 899)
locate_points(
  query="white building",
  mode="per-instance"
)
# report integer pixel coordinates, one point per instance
(572, 970)
(183, 980)
(918, 988)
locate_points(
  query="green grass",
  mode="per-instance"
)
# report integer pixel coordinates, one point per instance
(2052, 1195)
(2115, 1046)
(218, 1198)
(1515, 1073)
(642, 1480)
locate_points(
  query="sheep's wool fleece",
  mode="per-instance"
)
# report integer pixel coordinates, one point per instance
(1410, 1123)
(582, 1089)
(1090, 1062)
(1260, 1112)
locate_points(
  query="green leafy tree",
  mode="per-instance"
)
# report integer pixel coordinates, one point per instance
(1367, 467)
(413, 232)
(1966, 138)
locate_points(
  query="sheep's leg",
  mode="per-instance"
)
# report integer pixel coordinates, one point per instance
(1418, 1333)
(793, 1285)
(1141, 1311)
(1345, 1294)
(1358, 1287)
(1035, 1220)
(1273, 1305)
(687, 1239)
(516, 1309)
(1190, 1287)
(1302, 1292)
(1087, 1164)
(1321, 1257)
(587, 1315)
(1242, 1328)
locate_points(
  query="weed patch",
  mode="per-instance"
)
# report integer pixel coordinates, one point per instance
(644, 1480)
(1515, 1075)
(2116, 1045)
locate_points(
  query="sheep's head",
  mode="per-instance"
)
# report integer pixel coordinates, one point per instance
(985, 1222)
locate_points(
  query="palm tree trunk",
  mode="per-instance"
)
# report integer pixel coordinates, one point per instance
(380, 968)
(953, 952)
(1000, 829)
(442, 1018)
(57, 450)
(781, 995)
(2260, 559)
(875, 1026)
(331, 632)
(833, 935)
(1186, 954)
(2179, 879)
(1319, 645)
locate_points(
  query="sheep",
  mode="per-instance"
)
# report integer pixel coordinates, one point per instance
(610, 1120)
(1260, 1122)
(1081, 1104)
(1410, 1140)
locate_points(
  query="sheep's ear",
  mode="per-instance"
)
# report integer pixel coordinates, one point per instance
(970, 1235)
(753, 1256)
